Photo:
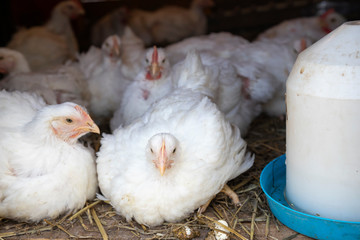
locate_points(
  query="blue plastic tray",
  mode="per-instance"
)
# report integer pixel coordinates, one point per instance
(272, 180)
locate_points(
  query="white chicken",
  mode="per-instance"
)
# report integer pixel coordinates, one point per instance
(182, 152)
(261, 66)
(56, 85)
(312, 28)
(166, 25)
(249, 73)
(44, 171)
(153, 83)
(264, 67)
(51, 44)
(102, 68)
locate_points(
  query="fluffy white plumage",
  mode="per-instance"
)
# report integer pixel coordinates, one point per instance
(182, 152)
(264, 67)
(44, 171)
(312, 28)
(278, 67)
(56, 85)
(151, 84)
(220, 44)
(102, 68)
(261, 70)
(51, 44)
(225, 84)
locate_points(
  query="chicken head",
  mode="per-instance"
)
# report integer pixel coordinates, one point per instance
(72, 8)
(69, 122)
(162, 150)
(330, 20)
(111, 47)
(157, 64)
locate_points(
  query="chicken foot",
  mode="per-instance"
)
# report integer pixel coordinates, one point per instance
(203, 208)
(229, 192)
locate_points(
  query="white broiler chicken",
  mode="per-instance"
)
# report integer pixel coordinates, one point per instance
(153, 83)
(166, 25)
(243, 83)
(264, 67)
(182, 152)
(56, 85)
(312, 28)
(44, 171)
(102, 68)
(53, 43)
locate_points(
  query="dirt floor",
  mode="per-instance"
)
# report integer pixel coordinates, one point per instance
(252, 220)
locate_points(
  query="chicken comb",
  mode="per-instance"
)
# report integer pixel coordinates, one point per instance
(154, 55)
(328, 12)
(323, 22)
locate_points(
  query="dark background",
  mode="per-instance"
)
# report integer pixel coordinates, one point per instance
(246, 18)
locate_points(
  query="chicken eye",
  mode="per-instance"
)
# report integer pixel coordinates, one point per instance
(151, 150)
(174, 150)
(333, 20)
(69, 120)
(146, 60)
(163, 61)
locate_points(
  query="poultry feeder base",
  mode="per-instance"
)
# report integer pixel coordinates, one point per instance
(272, 180)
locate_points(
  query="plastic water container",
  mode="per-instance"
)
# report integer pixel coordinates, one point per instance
(323, 127)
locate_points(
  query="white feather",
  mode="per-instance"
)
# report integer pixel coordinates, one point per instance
(41, 176)
(209, 153)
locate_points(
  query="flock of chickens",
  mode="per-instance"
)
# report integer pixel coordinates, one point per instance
(177, 114)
